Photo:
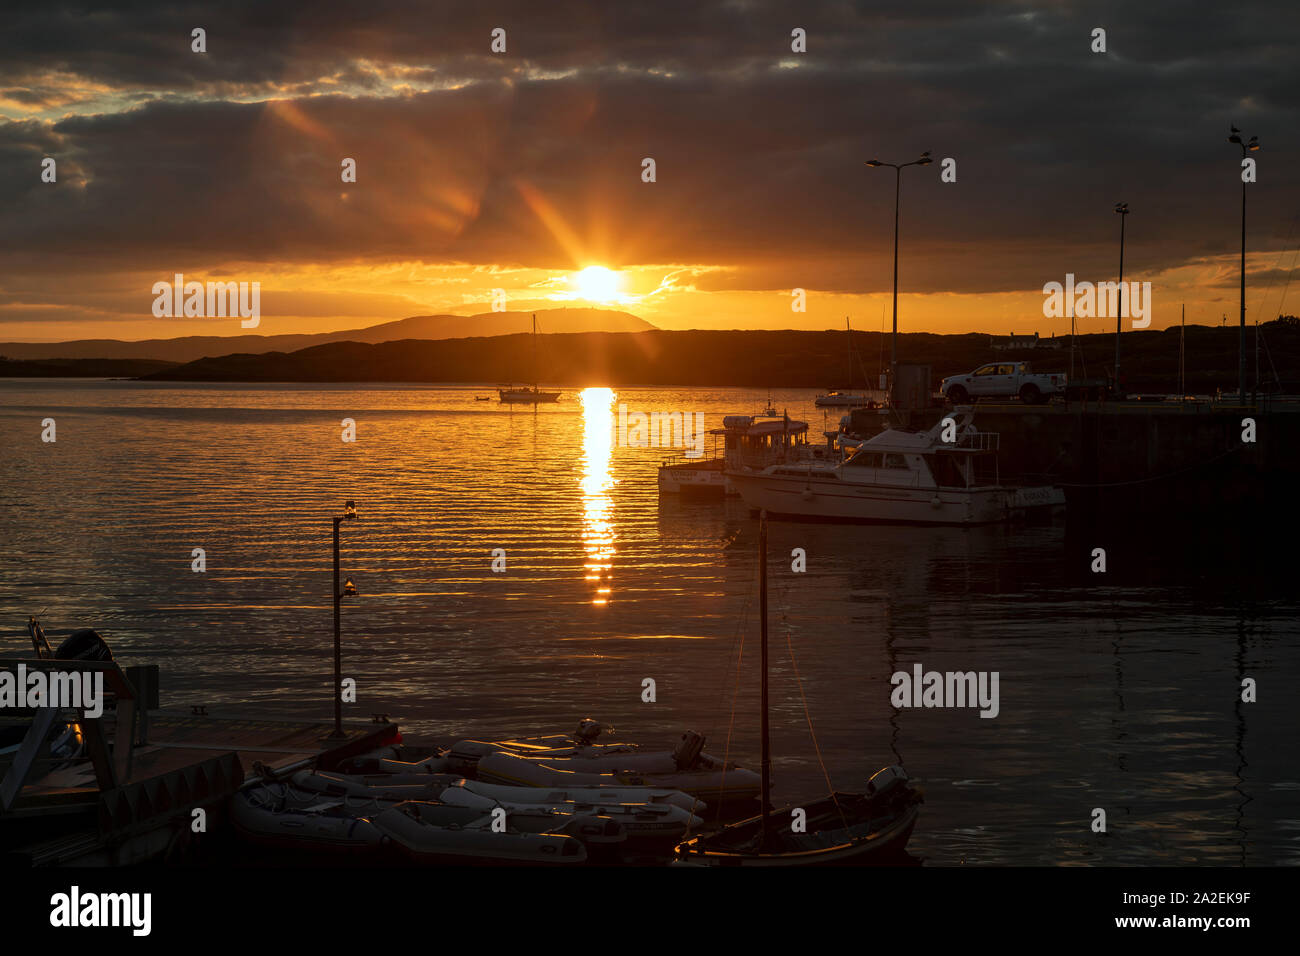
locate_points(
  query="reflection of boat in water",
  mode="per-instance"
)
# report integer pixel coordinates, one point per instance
(748, 441)
(899, 476)
(528, 394)
(842, 828)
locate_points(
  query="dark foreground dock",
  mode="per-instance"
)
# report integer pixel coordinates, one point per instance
(149, 774)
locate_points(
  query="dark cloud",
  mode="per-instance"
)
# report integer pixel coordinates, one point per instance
(760, 166)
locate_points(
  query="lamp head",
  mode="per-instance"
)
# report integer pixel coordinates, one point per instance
(349, 509)
(874, 162)
(349, 588)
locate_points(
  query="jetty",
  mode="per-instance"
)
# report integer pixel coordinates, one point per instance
(152, 779)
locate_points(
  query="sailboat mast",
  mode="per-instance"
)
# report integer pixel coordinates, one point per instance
(766, 758)
(534, 352)
(848, 331)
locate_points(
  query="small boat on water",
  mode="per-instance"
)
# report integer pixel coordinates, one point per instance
(752, 441)
(946, 475)
(528, 394)
(707, 779)
(842, 828)
(274, 815)
(337, 811)
(848, 397)
(420, 832)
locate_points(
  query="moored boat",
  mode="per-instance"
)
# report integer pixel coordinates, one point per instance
(840, 828)
(946, 475)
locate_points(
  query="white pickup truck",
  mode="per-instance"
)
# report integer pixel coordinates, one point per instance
(1003, 380)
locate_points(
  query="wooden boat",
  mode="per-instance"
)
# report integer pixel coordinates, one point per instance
(869, 827)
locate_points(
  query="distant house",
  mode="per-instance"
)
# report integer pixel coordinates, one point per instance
(1013, 342)
(1009, 343)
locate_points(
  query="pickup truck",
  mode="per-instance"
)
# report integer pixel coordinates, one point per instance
(1003, 380)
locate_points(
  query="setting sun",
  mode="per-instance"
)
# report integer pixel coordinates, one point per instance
(596, 284)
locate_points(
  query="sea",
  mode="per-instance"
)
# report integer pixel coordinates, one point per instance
(517, 570)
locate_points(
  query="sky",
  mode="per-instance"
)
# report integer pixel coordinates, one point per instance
(482, 173)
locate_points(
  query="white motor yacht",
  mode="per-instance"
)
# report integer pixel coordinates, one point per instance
(899, 477)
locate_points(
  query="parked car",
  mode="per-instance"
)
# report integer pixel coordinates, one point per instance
(1003, 380)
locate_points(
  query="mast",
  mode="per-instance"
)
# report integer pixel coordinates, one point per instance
(766, 759)
(848, 331)
(1182, 356)
(534, 353)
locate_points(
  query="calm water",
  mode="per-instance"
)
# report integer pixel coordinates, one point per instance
(1117, 691)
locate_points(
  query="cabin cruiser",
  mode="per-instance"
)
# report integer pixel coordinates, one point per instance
(747, 441)
(946, 475)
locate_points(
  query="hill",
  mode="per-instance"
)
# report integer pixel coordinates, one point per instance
(761, 359)
(191, 347)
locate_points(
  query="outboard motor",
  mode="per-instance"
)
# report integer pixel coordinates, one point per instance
(688, 750)
(883, 781)
(84, 645)
(587, 732)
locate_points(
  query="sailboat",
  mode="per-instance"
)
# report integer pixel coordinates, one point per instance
(528, 395)
(870, 827)
(847, 398)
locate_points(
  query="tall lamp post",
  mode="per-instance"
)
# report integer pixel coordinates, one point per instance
(1122, 209)
(925, 160)
(349, 514)
(1247, 147)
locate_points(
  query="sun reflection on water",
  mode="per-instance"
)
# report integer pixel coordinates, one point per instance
(597, 506)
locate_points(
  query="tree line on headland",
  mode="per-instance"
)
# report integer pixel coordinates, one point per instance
(758, 359)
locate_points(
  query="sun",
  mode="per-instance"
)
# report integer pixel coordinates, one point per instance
(596, 284)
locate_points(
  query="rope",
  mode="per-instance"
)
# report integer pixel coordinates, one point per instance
(808, 718)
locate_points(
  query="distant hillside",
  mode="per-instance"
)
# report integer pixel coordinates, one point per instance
(753, 358)
(79, 368)
(191, 347)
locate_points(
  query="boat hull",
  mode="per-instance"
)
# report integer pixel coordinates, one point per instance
(703, 480)
(844, 828)
(524, 396)
(818, 498)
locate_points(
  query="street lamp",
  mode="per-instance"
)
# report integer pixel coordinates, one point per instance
(349, 514)
(1122, 209)
(925, 160)
(1247, 147)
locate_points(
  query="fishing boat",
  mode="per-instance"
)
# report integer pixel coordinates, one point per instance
(528, 394)
(748, 441)
(842, 828)
(947, 475)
